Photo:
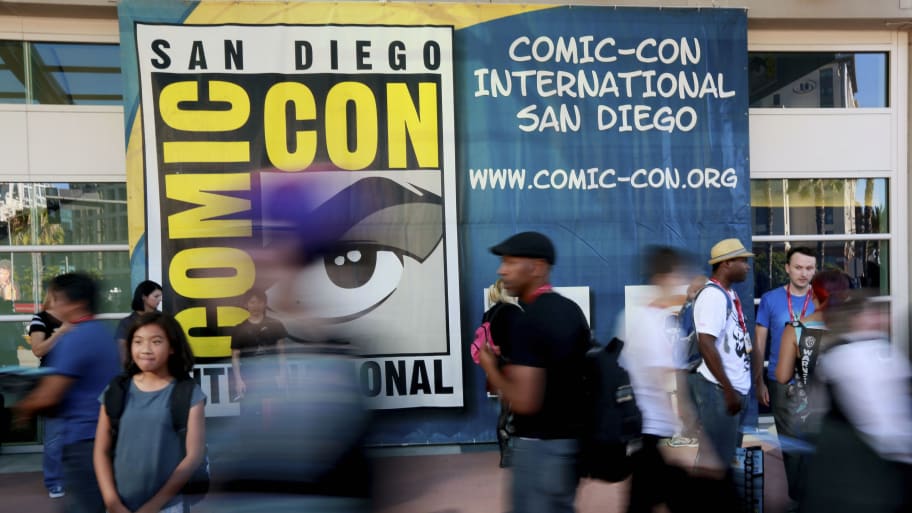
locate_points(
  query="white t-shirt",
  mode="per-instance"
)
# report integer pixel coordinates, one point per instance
(732, 342)
(647, 358)
(870, 378)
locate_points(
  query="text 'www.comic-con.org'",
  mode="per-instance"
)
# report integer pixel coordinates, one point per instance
(598, 178)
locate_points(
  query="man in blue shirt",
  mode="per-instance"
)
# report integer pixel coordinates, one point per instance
(779, 307)
(84, 360)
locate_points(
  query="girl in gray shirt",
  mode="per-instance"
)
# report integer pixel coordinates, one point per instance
(147, 469)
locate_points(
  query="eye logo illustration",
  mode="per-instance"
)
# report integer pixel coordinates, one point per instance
(376, 226)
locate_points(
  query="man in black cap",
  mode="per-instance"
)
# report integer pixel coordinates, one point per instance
(542, 380)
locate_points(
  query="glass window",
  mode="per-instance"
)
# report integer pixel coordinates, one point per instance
(819, 206)
(818, 79)
(866, 262)
(23, 289)
(14, 344)
(63, 213)
(12, 72)
(76, 73)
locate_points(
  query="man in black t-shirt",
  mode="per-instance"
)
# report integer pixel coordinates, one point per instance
(258, 353)
(542, 381)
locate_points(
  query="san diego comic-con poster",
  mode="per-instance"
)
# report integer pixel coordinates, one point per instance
(422, 134)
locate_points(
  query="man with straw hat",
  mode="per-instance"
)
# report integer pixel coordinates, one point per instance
(721, 383)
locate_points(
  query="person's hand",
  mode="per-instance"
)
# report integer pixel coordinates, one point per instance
(240, 388)
(117, 508)
(763, 395)
(145, 508)
(64, 327)
(21, 418)
(732, 401)
(487, 359)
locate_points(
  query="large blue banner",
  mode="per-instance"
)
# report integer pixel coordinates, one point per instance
(607, 129)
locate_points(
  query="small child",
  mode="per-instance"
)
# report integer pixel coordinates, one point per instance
(146, 471)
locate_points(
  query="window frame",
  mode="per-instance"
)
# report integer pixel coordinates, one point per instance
(895, 43)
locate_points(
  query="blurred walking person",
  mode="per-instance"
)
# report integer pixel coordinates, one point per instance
(649, 361)
(84, 361)
(863, 459)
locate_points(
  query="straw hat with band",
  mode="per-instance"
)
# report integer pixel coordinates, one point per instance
(726, 250)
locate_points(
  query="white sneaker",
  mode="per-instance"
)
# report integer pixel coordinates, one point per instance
(56, 492)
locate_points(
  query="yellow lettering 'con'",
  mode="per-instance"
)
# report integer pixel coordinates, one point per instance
(211, 287)
(202, 190)
(419, 125)
(275, 126)
(337, 126)
(215, 346)
(179, 94)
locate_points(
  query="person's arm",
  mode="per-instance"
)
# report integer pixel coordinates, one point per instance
(710, 317)
(239, 385)
(757, 356)
(42, 344)
(104, 467)
(49, 392)
(713, 362)
(788, 351)
(195, 444)
(520, 386)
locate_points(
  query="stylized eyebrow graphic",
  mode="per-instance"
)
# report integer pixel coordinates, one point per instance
(381, 212)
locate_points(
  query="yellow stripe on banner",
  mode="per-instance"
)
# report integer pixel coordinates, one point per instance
(353, 13)
(136, 191)
(205, 151)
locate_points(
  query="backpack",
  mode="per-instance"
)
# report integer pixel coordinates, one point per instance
(613, 423)
(115, 401)
(483, 333)
(686, 343)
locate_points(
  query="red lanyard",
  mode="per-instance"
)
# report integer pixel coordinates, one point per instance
(539, 291)
(737, 302)
(807, 301)
(83, 319)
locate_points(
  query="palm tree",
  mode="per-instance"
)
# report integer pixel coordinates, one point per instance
(818, 189)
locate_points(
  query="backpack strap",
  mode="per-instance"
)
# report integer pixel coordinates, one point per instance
(115, 399)
(728, 299)
(180, 406)
(492, 312)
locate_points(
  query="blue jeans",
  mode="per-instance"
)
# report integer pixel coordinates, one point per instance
(82, 493)
(545, 475)
(723, 431)
(52, 462)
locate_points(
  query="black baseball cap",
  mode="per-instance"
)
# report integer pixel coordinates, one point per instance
(527, 244)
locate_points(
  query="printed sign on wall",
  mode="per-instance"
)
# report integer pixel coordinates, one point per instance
(437, 130)
(243, 124)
